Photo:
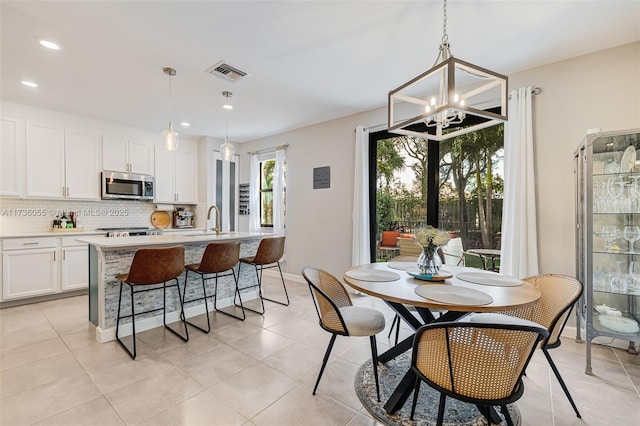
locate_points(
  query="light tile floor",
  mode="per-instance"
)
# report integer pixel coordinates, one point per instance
(257, 372)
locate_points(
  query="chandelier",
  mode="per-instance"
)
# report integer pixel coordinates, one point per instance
(226, 149)
(170, 136)
(453, 92)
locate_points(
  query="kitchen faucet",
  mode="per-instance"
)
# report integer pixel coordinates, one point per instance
(217, 228)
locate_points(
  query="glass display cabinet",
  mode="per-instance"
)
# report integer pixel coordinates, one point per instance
(607, 237)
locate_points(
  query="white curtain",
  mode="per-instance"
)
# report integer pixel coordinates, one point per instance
(279, 192)
(254, 194)
(519, 246)
(360, 253)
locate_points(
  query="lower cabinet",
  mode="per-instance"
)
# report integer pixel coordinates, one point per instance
(42, 266)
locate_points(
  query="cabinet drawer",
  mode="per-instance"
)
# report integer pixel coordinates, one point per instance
(28, 243)
(71, 242)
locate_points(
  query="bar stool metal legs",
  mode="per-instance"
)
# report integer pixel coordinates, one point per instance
(151, 267)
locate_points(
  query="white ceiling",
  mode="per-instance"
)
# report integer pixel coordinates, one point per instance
(308, 61)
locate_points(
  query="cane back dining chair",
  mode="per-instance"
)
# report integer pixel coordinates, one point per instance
(218, 260)
(338, 316)
(559, 295)
(152, 266)
(480, 364)
(270, 251)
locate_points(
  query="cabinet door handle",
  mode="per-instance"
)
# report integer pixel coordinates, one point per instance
(67, 191)
(64, 255)
(54, 256)
(63, 192)
(30, 244)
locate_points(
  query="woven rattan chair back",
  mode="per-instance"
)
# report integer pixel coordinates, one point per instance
(479, 362)
(155, 266)
(269, 251)
(329, 295)
(219, 257)
(559, 294)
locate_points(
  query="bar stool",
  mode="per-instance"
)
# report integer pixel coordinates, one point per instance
(152, 266)
(267, 256)
(216, 259)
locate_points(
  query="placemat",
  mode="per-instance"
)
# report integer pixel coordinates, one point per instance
(453, 295)
(485, 278)
(402, 266)
(372, 275)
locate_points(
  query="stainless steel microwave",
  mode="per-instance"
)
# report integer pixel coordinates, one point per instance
(126, 186)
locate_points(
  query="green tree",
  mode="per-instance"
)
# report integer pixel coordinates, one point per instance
(389, 161)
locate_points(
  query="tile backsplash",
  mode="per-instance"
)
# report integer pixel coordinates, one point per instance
(31, 215)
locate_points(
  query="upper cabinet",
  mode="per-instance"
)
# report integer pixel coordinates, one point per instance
(11, 157)
(122, 155)
(176, 174)
(61, 163)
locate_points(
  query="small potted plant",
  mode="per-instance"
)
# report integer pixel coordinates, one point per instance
(430, 239)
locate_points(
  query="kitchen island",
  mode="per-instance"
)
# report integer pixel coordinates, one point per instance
(109, 257)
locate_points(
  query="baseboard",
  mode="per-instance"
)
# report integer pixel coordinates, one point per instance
(108, 334)
(286, 275)
(37, 299)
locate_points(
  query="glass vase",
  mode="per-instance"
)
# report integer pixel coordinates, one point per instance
(429, 261)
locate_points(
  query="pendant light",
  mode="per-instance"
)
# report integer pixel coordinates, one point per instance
(226, 149)
(452, 92)
(170, 136)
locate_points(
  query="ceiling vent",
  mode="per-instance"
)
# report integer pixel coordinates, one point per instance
(226, 71)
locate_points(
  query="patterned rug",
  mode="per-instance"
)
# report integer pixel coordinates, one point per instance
(457, 413)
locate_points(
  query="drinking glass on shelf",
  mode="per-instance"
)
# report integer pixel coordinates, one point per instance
(609, 234)
(634, 271)
(619, 281)
(631, 234)
(615, 188)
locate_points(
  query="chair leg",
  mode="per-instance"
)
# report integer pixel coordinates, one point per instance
(564, 386)
(259, 292)
(286, 295)
(507, 416)
(236, 292)
(133, 324)
(164, 312)
(374, 361)
(397, 329)
(393, 323)
(440, 420)
(324, 361)
(206, 306)
(416, 391)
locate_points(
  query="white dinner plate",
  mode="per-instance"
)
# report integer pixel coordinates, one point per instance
(628, 159)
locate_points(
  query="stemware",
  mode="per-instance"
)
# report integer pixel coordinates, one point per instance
(634, 271)
(615, 188)
(609, 234)
(619, 281)
(631, 234)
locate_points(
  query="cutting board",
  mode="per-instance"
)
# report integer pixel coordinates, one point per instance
(160, 219)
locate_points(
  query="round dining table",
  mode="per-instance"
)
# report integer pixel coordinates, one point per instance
(391, 282)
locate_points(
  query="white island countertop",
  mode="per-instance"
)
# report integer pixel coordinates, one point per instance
(119, 243)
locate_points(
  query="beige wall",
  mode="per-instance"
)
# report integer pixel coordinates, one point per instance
(597, 90)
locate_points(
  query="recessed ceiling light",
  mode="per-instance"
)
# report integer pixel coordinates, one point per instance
(185, 124)
(29, 83)
(49, 44)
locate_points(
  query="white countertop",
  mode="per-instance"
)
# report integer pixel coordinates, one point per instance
(115, 243)
(50, 234)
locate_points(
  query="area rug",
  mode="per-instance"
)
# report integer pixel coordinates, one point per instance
(457, 413)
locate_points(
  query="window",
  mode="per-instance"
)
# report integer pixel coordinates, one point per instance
(266, 192)
(267, 171)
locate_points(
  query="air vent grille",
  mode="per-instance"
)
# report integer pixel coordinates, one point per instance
(226, 71)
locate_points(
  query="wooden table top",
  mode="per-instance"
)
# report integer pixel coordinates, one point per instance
(403, 290)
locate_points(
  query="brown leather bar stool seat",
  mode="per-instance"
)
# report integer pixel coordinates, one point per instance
(149, 267)
(267, 256)
(217, 259)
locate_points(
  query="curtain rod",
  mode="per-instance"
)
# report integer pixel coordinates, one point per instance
(534, 91)
(275, 148)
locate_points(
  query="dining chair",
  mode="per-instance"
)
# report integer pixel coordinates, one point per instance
(338, 316)
(270, 251)
(559, 294)
(480, 363)
(453, 252)
(152, 266)
(218, 260)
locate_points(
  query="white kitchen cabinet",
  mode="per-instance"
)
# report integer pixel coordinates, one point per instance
(11, 157)
(82, 165)
(74, 271)
(45, 161)
(29, 267)
(123, 155)
(176, 174)
(61, 163)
